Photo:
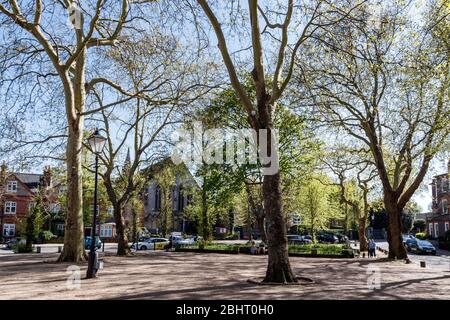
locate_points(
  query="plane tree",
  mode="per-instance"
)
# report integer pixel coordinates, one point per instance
(389, 94)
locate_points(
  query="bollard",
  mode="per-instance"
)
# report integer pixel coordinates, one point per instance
(423, 264)
(59, 249)
(38, 249)
(364, 254)
(103, 247)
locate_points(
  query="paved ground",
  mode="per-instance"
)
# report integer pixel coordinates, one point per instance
(161, 275)
(53, 248)
(440, 261)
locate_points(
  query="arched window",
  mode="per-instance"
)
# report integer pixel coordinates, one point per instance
(181, 203)
(157, 198)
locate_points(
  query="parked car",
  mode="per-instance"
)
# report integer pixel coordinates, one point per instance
(88, 241)
(407, 237)
(187, 241)
(420, 246)
(176, 240)
(297, 239)
(327, 238)
(151, 244)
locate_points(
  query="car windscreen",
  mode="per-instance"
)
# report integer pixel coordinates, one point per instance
(424, 243)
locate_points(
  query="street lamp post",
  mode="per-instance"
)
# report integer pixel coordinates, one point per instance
(96, 142)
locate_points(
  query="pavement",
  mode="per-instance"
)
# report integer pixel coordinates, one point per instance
(177, 275)
(440, 261)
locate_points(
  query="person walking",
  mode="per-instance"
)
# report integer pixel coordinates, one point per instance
(372, 248)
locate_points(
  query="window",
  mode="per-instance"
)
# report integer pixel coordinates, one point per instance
(444, 206)
(430, 229)
(91, 207)
(446, 227)
(157, 199)
(436, 230)
(106, 231)
(10, 207)
(55, 208)
(9, 230)
(11, 186)
(31, 205)
(443, 185)
(110, 211)
(181, 203)
(60, 227)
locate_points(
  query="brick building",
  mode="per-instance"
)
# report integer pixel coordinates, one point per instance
(438, 222)
(17, 196)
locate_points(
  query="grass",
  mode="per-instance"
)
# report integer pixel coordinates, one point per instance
(322, 248)
(222, 247)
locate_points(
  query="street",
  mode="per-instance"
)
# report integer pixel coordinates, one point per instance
(53, 248)
(440, 261)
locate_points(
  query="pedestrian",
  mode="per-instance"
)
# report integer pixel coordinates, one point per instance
(372, 248)
(253, 248)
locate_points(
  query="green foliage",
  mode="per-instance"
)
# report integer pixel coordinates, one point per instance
(30, 226)
(421, 235)
(332, 249)
(47, 235)
(419, 224)
(317, 204)
(166, 180)
(22, 248)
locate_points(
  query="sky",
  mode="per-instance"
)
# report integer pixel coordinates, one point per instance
(422, 197)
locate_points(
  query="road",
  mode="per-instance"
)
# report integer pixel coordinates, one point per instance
(53, 248)
(440, 261)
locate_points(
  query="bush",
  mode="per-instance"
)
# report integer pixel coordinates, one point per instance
(421, 235)
(234, 236)
(47, 235)
(22, 248)
(328, 249)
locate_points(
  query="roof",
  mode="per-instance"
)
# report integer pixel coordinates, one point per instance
(28, 178)
(151, 170)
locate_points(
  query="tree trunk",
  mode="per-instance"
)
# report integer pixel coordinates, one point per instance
(73, 250)
(122, 240)
(279, 268)
(261, 227)
(206, 234)
(75, 99)
(394, 235)
(362, 234)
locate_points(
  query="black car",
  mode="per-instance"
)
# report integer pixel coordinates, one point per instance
(420, 246)
(327, 238)
(295, 239)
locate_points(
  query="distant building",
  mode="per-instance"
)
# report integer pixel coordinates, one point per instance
(437, 223)
(180, 198)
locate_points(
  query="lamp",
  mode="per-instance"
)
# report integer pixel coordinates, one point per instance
(97, 142)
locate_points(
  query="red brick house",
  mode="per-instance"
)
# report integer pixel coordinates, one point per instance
(438, 222)
(17, 198)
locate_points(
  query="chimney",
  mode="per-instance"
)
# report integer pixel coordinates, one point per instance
(47, 177)
(4, 169)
